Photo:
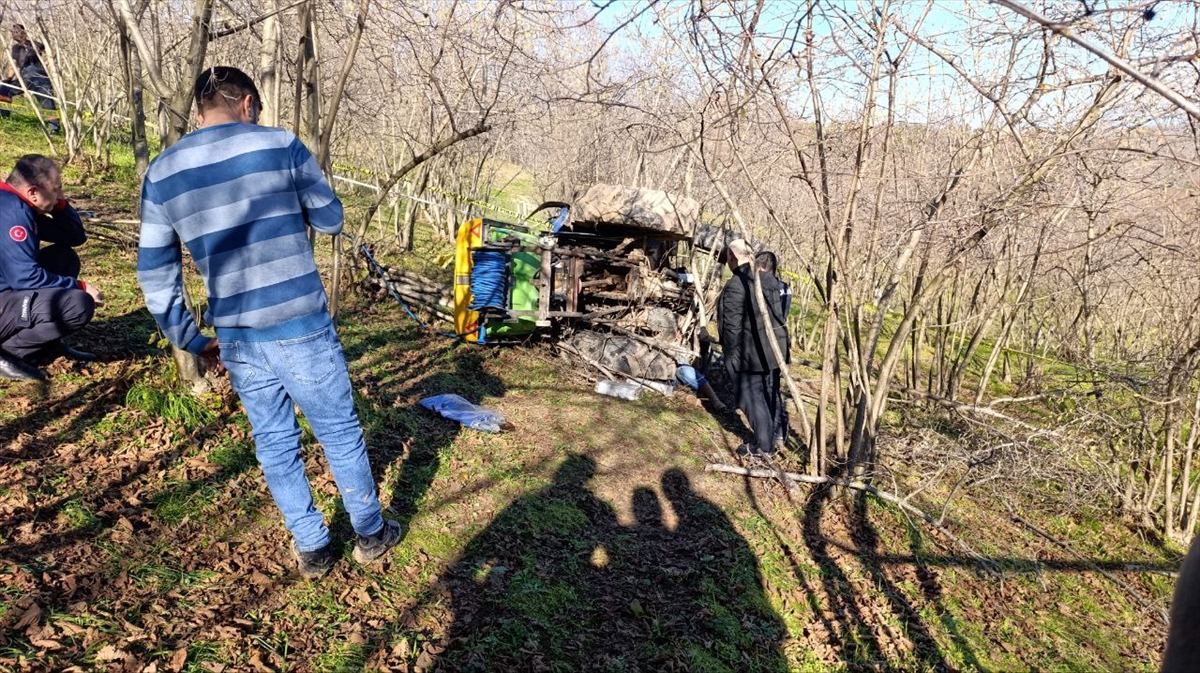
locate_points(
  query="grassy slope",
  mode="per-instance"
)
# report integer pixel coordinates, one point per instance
(136, 529)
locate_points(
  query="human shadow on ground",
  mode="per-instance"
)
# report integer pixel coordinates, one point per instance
(555, 582)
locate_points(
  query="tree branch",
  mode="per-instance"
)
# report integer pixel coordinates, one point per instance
(1120, 64)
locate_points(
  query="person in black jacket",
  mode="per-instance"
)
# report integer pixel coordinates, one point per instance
(41, 296)
(28, 73)
(767, 264)
(749, 358)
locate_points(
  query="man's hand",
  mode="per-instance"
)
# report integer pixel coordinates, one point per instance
(210, 356)
(95, 293)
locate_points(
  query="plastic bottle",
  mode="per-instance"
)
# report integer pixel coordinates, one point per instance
(625, 390)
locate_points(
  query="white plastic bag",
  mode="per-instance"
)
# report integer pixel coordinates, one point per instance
(457, 408)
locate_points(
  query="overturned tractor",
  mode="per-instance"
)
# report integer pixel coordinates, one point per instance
(623, 278)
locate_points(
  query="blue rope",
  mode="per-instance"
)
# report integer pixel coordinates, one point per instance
(489, 280)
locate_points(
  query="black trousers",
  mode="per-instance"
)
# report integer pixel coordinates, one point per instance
(780, 424)
(33, 319)
(759, 398)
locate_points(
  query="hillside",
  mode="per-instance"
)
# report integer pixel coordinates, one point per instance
(136, 532)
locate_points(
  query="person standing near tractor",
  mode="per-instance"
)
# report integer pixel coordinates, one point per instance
(241, 198)
(749, 359)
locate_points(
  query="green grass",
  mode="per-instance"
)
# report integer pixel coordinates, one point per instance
(342, 657)
(163, 578)
(79, 517)
(201, 652)
(184, 501)
(169, 405)
(235, 456)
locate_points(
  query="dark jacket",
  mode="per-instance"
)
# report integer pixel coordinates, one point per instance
(21, 231)
(743, 327)
(27, 54)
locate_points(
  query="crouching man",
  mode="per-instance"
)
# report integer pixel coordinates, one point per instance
(42, 299)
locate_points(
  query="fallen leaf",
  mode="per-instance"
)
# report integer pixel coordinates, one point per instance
(178, 660)
(257, 662)
(68, 585)
(31, 615)
(111, 653)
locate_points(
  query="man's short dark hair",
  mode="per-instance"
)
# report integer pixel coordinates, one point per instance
(33, 169)
(223, 82)
(766, 261)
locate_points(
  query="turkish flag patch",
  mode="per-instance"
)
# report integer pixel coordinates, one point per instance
(18, 234)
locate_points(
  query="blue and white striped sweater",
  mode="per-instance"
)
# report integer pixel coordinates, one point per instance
(239, 197)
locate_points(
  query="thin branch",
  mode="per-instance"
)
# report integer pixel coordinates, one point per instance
(1157, 611)
(240, 26)
(1120, 64)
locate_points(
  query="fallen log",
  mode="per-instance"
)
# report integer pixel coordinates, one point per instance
(417, 291)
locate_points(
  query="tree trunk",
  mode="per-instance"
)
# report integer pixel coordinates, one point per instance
(269, 57)
(131, 69)
(177, 103)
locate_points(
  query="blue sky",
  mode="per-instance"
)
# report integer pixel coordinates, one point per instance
(929, 90)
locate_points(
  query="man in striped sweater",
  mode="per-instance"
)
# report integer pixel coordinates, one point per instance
(241, 198)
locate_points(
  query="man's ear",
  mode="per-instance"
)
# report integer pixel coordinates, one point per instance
(247, 109)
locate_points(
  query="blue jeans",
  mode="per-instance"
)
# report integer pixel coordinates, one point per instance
(690, 377)
(309, 371)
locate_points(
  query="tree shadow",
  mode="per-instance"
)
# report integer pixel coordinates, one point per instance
(848, 629)
(116, 342)
(555, 582)
(82, 394)
(468, 378)
(393, 426)
(925, 647)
